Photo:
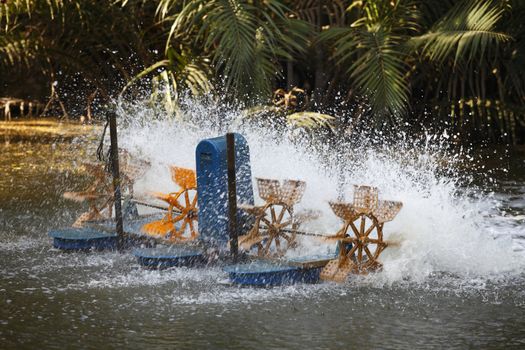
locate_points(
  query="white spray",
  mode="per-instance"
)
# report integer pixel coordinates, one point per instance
(442, 226)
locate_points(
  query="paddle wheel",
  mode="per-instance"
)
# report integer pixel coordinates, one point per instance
(180, 221)
(275, 227)
(360, 240)
(100, 193)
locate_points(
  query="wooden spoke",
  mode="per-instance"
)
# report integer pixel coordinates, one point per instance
(352, 240)
(182, 208)
(370, 229)
(182, 227)
(288, 239)
(362, 244)
(187, 198)
(178, 218)
(267, 246)
(274, 217)
(352, 251)
(362, 256)
(268, 223)
(177, 205)
(367, 251)
(356, 232)
(281, 215)
(343, 257)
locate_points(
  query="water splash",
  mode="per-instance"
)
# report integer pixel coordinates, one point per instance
(444, 226)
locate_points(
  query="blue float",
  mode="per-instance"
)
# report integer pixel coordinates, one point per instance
(99, 235)
(267, 273)
(262, 273)
(85, 238)
(170, 256)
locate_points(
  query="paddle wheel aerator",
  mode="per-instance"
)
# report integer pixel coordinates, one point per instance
(99, 194)
(275, 227)
(270, 229)
(180, 221)
(360, 240)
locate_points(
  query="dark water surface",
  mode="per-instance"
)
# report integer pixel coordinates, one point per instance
(50, 299)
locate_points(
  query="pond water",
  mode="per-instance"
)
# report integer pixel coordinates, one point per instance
(456, 281)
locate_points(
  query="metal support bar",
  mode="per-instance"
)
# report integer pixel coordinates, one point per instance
(155, 206)
(116, 177)
(320, 235)
(232, 194)
(303, 233)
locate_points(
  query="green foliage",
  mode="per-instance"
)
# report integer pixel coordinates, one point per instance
(468, 31)
(456, 62)
(379, 71)
(244, 39)
(372, 50)
(77, 37)
(463, 55)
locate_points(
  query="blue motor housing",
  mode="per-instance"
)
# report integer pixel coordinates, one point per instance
(212, 185)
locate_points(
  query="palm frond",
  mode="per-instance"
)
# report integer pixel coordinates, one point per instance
(245, 39)
(380, 72)
(374, 60)
(394, 16)
(372, 52)
(467, 32)
(145, 72)
(184, 73)
(12, 9)
(17, 50)
(260, 110)
(311, 120)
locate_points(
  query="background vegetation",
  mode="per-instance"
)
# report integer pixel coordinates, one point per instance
(441, 64)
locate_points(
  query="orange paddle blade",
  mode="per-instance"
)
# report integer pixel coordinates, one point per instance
(183, 177)
(158, 228)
